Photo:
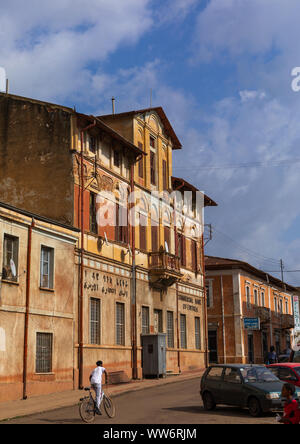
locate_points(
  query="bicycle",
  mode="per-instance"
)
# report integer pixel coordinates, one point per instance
(88, 408)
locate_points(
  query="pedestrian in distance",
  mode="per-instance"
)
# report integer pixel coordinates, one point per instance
(291, 406)
(96, 383)
(272, 356)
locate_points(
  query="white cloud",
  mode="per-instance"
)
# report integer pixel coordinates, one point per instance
(47, 46)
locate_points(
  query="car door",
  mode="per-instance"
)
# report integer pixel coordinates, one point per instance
(232, 387)
(213, 382)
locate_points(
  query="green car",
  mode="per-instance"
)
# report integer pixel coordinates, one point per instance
(247, 386)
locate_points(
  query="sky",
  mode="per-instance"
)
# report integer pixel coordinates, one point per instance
(221, 69)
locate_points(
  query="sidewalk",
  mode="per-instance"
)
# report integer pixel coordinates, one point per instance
(38, 404)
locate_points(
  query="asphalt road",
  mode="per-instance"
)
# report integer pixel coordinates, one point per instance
(176, 403)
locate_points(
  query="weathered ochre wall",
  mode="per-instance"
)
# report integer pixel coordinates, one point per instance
(35, 157)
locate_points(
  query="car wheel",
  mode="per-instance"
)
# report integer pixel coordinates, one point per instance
(254, 407)
(208, 401)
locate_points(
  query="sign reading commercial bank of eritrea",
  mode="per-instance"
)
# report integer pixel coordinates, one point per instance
(251, 323)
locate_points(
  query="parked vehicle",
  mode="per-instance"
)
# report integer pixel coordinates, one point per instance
(287, 372)
(247, 386)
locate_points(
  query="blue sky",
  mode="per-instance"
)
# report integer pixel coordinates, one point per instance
(222, 71)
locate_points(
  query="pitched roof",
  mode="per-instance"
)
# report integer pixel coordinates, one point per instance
(185, 186)
(159, 110)
(220, 263)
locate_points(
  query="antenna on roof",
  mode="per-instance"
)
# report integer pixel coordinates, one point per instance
(113, 104)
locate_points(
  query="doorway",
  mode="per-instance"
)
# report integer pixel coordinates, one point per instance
(213, 346)
(250, 348)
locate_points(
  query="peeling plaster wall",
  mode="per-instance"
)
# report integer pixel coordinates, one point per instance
(35, 157)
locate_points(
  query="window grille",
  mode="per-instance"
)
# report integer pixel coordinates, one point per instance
(158, 320)
(170, 329)
(183, 331)
(197, 334)
(145, 321)
(120, 324)
(95, 324)
(44, 352)
(93, 214)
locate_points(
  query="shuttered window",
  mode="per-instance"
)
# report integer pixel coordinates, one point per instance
(194, 256)
(93, 214)
(43, 352)
(120, 323)
(95, 325)
(154, 238)
(170, 329)
(143, 232)
(145, 321)
(165, 176)
(197, 334)
(47, 267)
(141, 163)
(122, 231)
(152, 168)
(183, 331)
(167, 234)
(181, 242)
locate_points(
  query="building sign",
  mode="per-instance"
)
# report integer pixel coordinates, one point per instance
(100, 284)
(296, 313)
(191, 304)
(251, 323)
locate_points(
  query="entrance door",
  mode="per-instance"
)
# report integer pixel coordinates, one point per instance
(213, 346)
(250, 349)
(265, 347)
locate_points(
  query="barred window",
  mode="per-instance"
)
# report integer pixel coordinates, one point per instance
(145, 321)
(44, 352)
(158, 321)
(95, 325)
(170, 329)
(197, 334)
(93, 213)
(10, 257)
(47, 267)
(183, 331)
(120, 324)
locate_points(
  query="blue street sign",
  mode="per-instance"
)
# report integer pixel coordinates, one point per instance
(252, 323)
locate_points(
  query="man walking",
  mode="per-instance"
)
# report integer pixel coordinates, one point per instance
(96, 383)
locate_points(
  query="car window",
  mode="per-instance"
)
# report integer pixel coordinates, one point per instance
(215, 374)
(258, 374)
(297, 370)
(232, 375)
(286, 374)
(274, 370)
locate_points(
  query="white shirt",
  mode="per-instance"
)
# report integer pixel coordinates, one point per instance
(96, 376)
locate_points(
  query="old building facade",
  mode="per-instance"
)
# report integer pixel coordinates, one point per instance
(248, 311)
(37, 301)
(139, 257)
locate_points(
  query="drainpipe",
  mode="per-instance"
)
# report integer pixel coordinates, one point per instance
(133, 283)
(28, 271)
(177, 296)
(80, 358)
(223, 321)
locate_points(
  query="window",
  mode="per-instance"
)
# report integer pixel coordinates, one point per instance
(43, 362)
(209, 300)
(167, 236)
(197, 334)
(92, 143)
(215, 374)
(158, 321)
(248, 297)
(47, 267)
(194, 256)
(152, 168)
(275, 304)
(170, 329)
(122, 233)
(143, 232)
(117, 158)
(232, 375)
(141, 162)
(181, 249)
(286, 374)
(93, 214)
(154, 237)
(145, 321)
(152, 142)
(183, 331)
(120, 324)
(280, 306)
(263, 302)
(10, 258)
(95, 321)
(286, 306)
(255, 297)
(165, 175)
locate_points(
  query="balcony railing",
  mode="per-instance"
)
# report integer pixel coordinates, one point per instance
(287, 321)
(164, 261)
(263, 313)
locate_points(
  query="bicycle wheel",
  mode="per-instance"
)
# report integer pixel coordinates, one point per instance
(87, 410)
(109, 406)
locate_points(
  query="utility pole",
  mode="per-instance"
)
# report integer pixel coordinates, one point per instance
(281, 268)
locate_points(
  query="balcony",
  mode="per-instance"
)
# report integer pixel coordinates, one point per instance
(287, 321)
(164, 269)
(264, 314)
